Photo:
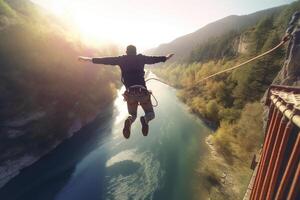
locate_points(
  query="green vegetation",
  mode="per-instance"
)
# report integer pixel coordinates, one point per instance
(40, 74)
(215, 49)
(230, 102)
(5, 9)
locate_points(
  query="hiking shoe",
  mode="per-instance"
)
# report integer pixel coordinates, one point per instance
(145, 126)
(126, 129)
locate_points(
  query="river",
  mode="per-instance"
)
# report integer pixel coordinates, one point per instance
(98, 163)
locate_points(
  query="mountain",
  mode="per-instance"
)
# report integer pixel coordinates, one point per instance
(46, 95)
(183, 46)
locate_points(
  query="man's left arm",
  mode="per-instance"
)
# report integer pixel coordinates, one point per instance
(156, 59)
(107, 60)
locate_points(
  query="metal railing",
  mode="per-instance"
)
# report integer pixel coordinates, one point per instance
(277, 175)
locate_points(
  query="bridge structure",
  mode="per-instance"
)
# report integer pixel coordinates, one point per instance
(276, 169)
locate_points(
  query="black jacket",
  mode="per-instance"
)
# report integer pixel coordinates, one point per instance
(132, 66)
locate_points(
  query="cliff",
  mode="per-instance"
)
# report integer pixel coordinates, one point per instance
(46, 95)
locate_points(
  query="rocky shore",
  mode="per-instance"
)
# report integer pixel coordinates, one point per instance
(9, 168)
(227, 179)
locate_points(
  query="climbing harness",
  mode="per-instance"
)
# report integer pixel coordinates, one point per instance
(157, 79)
(141, 90)
(141, 87)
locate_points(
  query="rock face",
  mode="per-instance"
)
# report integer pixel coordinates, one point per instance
(23, 120)
(228, 182)
(11, 168)
(290, 73)
(243, 44)
(14, 160)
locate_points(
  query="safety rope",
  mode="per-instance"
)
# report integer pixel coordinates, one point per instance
(159, 80)
(231, 68)
(224, 71)
(243, 63)
(156, 101)
(156, 79)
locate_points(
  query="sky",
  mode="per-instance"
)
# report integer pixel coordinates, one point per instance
(146, 23)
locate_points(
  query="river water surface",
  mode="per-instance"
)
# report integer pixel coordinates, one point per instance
(106, 166)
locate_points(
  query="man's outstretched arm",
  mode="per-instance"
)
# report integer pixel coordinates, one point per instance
(156, 59)
(104, 60)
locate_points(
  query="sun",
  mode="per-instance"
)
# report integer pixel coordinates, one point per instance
(111, 22)
(57, 7)
(107, 27)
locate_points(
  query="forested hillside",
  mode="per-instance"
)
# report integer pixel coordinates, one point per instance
(183, 46)
(45, 94)
(230, 102)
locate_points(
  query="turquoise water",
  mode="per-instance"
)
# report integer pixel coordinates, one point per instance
(160, 166)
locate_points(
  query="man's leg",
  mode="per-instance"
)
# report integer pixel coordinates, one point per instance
(149, 113)
(132, 105)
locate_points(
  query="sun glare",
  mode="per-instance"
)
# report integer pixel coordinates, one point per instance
(144, 23)
(114, 22)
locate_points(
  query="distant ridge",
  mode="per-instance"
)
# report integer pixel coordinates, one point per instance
(183, 45)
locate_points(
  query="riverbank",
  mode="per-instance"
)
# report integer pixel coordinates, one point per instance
(222, 180)
(12, 167)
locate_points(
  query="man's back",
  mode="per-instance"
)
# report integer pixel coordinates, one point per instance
(132, 66)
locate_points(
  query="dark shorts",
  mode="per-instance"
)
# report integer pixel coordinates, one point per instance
(139, 96)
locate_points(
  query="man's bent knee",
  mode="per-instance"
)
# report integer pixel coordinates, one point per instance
(149, 116)
(132, 117)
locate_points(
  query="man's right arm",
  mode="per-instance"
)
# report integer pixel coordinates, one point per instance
(104, 60)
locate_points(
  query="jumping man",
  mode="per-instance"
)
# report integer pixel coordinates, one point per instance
(132, 68)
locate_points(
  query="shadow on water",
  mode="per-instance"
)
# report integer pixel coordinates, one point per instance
(49, 175)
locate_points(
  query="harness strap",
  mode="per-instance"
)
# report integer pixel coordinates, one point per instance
(141, 87)
(136, 86)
